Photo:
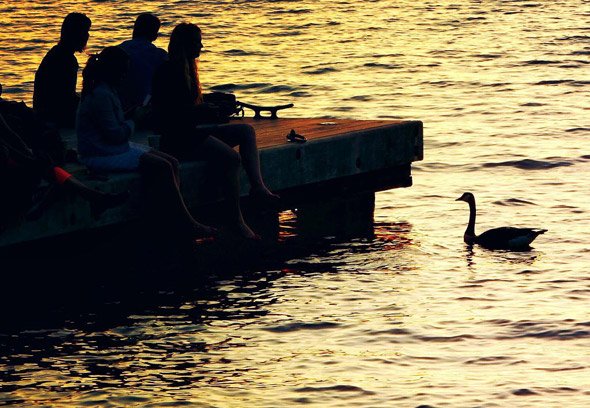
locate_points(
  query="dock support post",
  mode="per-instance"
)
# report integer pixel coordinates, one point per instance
(341, 216)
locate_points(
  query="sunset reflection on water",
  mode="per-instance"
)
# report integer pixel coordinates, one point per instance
(406, 315)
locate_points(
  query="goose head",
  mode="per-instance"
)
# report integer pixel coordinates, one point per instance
(467, 197)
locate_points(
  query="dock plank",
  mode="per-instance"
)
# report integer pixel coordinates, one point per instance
(272, 133)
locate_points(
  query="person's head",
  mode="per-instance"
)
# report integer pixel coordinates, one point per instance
(146, 26)
(184, 48)
(109, 66)
(75, 31)
(185, 42)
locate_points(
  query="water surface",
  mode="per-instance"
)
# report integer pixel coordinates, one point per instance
(408, 317)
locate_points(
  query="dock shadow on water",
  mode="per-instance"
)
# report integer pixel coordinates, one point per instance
(75, 298)
(129, 266)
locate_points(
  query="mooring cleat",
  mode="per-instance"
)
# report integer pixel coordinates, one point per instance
(271, 109)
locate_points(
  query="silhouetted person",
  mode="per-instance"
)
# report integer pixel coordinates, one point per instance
(103, 144)
(26, 157)
(54, 98)
(178, 108)
(144, 58)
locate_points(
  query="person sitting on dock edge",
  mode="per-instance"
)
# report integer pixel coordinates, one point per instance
(28, 154)
(54, 96)
(103, 144)
(145, 58)
(184, 122)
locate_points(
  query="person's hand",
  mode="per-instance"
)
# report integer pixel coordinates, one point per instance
(140, 115)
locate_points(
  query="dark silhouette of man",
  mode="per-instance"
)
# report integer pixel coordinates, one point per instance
(145, 58)
(54, 98)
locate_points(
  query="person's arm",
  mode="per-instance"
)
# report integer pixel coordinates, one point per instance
(108, 118)
(13, 139)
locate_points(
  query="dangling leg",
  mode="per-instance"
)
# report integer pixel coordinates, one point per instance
(172, 160)
(227, 162)
(244, 136)
(61, 179)
(99, 201)
(165, 200)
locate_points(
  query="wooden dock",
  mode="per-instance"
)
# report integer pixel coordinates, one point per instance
(341, 156)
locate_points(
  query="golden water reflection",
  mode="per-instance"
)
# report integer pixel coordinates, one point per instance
(407, 316)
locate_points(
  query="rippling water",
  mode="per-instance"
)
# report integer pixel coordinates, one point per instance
(409, 317)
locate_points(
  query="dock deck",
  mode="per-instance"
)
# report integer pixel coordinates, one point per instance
(339, 155)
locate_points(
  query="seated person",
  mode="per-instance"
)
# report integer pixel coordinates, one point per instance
(24, 165)
(181, 117)
(54, 96)
(103, 144)
(144, 59)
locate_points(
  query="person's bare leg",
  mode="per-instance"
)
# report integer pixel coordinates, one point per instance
(227, 162)
(172, 160)
(99, 201)
(165, 195)
(244, 136)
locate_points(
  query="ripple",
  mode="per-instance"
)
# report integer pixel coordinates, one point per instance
(277, 89)
(321, 71)
(395, 331)
(539, 62)
(524, 392)
(338, 388)
(299, 94)
(381, 65)
(292, 11)
(446, 339)
(492, 360)
(554, 82)
(548, 330)
(488, 56)
(513, 201)
(236, 52)
(528, 164)
(559, 369)
(563, 334)
(361, 98)
(475, 299)
(571, 82)
(292, 327)
(235, 87)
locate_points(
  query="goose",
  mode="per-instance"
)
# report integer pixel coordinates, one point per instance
(497, 238)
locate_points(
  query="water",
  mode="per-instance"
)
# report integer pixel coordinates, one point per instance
(410, 317)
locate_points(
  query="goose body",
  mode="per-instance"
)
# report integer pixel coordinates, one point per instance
(497, 238)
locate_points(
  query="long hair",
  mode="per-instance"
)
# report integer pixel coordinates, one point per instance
(183, 40)
(108, 66)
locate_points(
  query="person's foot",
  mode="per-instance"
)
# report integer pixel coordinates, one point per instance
(106, 201)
